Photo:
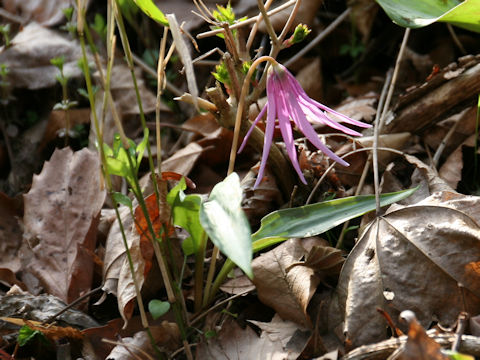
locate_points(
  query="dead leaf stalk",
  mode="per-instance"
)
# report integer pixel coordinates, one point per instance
(160, 86)
(318, 38)
(379, 125)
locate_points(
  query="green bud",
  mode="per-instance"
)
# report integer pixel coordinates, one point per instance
(300, 33)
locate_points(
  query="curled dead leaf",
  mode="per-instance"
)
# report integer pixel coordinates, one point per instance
(421, 257)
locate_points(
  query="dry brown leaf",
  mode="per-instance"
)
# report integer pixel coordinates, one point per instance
(116, 271)
(61, 217)
(465, 127)
(28, 58)
(41, 308)
(57, 123)
(260, 201)
(167, 335)
(283, 332)
(419, 345)
(44, 12)
(10, 233)
(233, 342)
(8, 278)
(238, 285)
(413, 257)
(183, 161)
(363, 16)
(287, 290)
(325, 260)
(451, 170)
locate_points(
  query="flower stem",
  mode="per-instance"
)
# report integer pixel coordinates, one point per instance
(241, 105)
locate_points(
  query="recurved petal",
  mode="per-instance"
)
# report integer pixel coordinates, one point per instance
(318, 116)
(269, 129)
(286, 130)
(306, 128)
(255, 122)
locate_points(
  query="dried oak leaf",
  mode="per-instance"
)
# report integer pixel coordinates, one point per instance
(28, 57)
(116, 271)
(419, 345)
(61, 217)
(423, 257)
(44, 12)
(233, 342)
(284, 288)
(10, 233)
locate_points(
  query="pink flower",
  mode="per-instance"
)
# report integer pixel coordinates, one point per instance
(286, 100)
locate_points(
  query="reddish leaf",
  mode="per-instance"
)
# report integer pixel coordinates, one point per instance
(159, 215)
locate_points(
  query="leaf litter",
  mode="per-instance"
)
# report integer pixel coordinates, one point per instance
(421, 255)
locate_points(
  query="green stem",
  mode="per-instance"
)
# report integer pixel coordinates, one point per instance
(199, 262)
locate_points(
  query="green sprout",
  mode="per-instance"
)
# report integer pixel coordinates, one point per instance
(226, 15)
(5, 31)
(300, 33)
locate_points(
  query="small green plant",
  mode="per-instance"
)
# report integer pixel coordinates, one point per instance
(4, 85)
(99, 26)
(355, 47)
(66, 104)
(27, 334)
(226, 15)
(71, 25)
(5, 31)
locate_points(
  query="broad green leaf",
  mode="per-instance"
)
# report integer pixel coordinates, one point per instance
(25, 334)
(314, 219)
(419, 13)
(225, 222)
(186, 213)
(122, 199)
(117, 167)
(149, 8)
(158, 308)
(141, 148)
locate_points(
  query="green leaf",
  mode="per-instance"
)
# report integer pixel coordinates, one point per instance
(25, 334)
(158, 308)
(122, 199)
(149, 8)
(117, 167)
(419, 13)
(314, 219)
(186, 213)
(225, 222)
(141, 148)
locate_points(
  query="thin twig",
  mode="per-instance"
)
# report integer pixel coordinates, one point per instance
(268, 24)
(251, 36)
(378, 126)
(318, 38)
(456, 40)
(126, 346)
(366, 168)
(443, 143)
(394, 79)
(169, 86)
(12, 17)
(248, 21)
(160, 83)
(290, 20)
(343, 157)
